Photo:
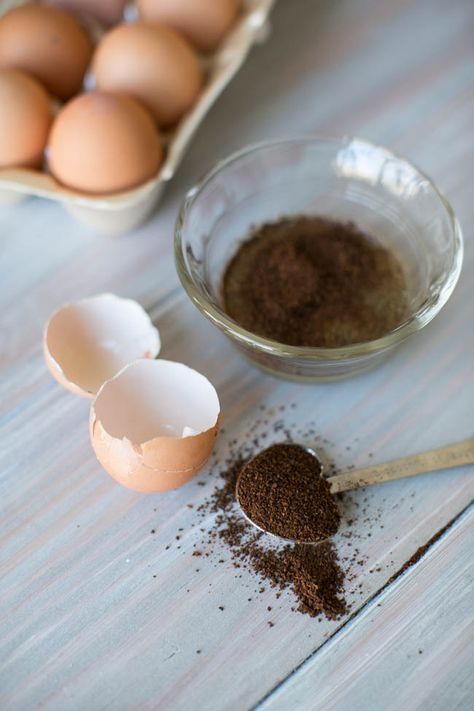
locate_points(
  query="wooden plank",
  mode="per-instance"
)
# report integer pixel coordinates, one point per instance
(84, 622)
(411, 648)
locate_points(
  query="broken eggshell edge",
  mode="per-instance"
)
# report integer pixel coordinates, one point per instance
(55, 367)
(157, 465)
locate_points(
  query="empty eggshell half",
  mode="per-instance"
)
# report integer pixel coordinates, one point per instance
(154, 424)
(88, 341)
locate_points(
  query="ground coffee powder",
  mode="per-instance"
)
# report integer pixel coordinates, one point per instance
(310, 281)
(313, 573)
(282, 491)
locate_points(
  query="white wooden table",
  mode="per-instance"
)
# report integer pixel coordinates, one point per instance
(85, 624)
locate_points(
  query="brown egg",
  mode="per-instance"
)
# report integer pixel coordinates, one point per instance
(47, 43)
(25, 118)
(152, 63)
(203, 22)
(102, 143)
(154, 424)
(108, 12)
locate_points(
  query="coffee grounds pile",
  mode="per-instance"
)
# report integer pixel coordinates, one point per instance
(312, 573)
(282, 491)
(316, 580)
(310, 281)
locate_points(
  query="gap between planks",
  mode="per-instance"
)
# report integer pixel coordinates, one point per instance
(437, 539)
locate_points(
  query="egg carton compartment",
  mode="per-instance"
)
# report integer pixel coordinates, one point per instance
(121, 212)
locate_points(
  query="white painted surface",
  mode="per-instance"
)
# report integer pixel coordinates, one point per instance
(413, 647)
(84, 624)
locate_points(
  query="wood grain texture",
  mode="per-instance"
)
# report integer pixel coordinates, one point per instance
(84, 624)
(412, 648)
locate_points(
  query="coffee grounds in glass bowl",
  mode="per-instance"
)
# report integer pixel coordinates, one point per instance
(282, 491)
(315, 282)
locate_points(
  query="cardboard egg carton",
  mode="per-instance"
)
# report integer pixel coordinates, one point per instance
(120, 212)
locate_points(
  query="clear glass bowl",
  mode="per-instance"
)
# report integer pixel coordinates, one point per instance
(348, 179)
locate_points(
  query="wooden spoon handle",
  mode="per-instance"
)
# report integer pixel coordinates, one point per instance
(445, 458)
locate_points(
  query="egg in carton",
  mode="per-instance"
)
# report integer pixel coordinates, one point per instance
(122, 211)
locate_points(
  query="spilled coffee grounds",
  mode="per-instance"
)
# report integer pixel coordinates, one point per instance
(282, 491)
(312, 573)
(310, 281)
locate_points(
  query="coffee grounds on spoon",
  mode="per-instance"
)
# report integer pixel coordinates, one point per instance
(312, 572)
(315, 282)
(282, 491)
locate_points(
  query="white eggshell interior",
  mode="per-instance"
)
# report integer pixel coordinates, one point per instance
(150, 399)
(92, 339)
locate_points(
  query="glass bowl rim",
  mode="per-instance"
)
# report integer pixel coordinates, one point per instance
(418, 320)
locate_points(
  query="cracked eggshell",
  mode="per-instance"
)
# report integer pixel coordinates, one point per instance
(153, 426)
(87, 342)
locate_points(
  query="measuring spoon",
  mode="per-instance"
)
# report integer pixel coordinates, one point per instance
(454, 455)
